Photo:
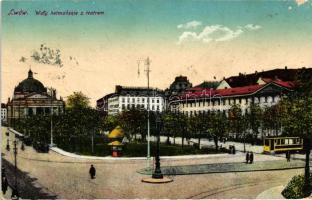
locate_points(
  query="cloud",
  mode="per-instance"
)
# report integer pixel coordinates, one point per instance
(216, 33)
(190, 25)
(252, 27)
(300, 2)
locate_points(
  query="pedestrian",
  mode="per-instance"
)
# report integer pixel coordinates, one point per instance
(247, 157)
(4, 184)
(234, 151)
(251, 157)
(288, 156)
(92, 172)
(231, 149)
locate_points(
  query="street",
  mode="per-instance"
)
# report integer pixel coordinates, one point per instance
(68, 177)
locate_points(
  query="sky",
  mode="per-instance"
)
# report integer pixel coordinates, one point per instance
(200, 39)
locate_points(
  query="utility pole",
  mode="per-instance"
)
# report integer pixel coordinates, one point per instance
(147, 70)
(51, 117)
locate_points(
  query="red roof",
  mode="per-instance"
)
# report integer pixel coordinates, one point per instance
(204, 92)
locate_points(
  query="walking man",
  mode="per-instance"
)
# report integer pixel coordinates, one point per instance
(288, 156)
(92, 172)
(251, 157)
(247, 157)
(4, 184)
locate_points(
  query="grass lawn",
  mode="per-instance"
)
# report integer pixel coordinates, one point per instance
(140, 149)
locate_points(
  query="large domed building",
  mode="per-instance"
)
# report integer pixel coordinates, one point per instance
(30, 97)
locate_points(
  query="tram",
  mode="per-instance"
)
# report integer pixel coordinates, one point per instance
(282, 144)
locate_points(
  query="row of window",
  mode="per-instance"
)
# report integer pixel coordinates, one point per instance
(138, 99)
(217, 102)
(141, 106)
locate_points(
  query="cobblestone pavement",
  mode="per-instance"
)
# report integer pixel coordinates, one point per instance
(68, 177)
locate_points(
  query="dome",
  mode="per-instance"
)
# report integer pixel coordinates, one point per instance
(116, 133)
(30, 85)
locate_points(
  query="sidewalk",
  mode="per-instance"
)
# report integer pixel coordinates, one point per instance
(268, 165)
(272, 193)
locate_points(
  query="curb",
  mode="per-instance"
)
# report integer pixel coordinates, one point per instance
(72, 155)
(141, 171)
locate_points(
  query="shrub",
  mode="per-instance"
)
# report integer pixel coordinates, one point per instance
(294, 189)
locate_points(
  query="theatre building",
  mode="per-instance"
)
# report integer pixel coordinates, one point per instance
(30, 97)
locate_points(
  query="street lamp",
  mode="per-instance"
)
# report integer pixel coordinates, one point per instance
(157, 173)
(307, 147)
(15, 190)
(8, 145)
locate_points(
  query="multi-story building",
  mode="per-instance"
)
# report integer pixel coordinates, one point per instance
(3, 113)
(264, 88)
(201, 100)
(126, 98)
(30, 97)
(179, 85)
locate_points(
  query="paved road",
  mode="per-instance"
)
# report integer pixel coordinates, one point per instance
(68, 177)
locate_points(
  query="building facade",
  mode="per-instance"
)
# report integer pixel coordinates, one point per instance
(30, 97)
(201, 100)
(3, 113)
(126, 98)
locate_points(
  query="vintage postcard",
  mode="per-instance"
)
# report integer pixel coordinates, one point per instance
(156, 99)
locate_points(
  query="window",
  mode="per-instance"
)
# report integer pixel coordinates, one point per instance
(123, 106)
(123, 100)
(157, 108)
(153, 107)
(138, 100)
(143, 100)
(157, 100)
(133, 100)
(128, 99)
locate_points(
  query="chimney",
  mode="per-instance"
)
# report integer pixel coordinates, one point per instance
(285, 67)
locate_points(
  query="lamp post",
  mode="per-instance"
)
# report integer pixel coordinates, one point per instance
(15, 190)
(157, 173)
(307, 147)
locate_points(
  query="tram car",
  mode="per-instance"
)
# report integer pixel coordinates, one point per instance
(282, 144)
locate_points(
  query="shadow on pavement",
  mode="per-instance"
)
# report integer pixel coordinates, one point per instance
(26, 185)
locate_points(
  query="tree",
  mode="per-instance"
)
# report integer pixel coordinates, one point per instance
(218, 127)
(297, 121)
(109, 122)
(254, 117)
(77, 100)
(235, 119)
(169, 123)
(134, 121)
(238, 123)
